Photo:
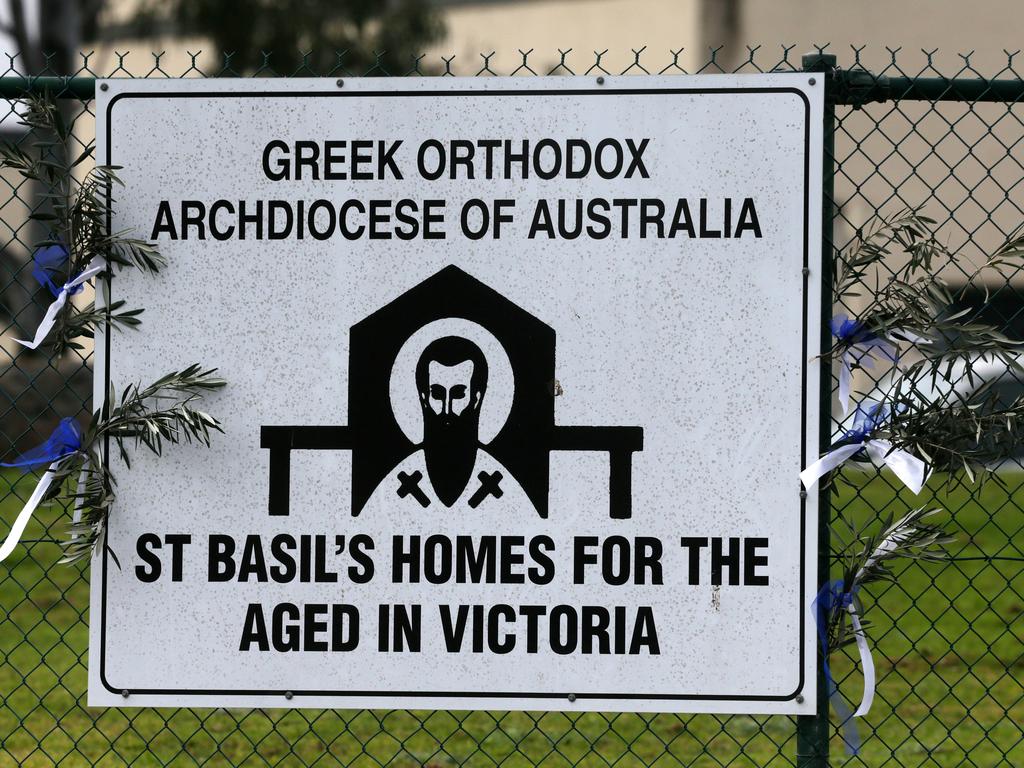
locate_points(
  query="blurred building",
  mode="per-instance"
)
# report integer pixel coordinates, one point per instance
(984, 28)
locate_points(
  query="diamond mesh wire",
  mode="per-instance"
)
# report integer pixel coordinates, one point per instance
(947, 641)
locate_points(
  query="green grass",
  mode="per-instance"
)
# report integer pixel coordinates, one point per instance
(947, 643)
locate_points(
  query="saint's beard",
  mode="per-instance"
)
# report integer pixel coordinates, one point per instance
(449, 446)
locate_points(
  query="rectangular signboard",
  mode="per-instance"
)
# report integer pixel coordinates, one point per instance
(521, 375)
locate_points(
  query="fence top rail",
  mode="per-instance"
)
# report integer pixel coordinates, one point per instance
(852, 87)
(858, 87)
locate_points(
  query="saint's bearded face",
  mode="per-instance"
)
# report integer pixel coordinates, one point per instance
(448, 388)
(451, 408)
(451, 391)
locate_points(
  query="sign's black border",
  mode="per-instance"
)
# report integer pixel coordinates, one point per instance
(577, 695)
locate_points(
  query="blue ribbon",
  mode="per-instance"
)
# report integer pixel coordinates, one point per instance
(850, 331)
(63, 441)
(832, 597)
(859, 347)
(48, 263)
(867, 419)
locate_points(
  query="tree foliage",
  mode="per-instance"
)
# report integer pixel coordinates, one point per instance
(314, 37)
(74, 217)
(163, 412)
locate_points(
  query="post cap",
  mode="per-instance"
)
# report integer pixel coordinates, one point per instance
(818, 62)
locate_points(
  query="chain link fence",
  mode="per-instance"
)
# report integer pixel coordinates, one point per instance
(948, 640)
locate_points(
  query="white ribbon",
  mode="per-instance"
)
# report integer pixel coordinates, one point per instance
(906, 466)
(96, 266)
(14, 536)
(866, 662)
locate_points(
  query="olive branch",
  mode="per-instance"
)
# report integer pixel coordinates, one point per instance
(911, 308)
(866, 558)
(166, 412)
(908, 304)
(75, 214)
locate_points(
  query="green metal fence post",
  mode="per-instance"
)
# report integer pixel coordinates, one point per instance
(812, 731)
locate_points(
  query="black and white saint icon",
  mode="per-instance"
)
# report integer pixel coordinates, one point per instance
(460, 405)
(451, 404)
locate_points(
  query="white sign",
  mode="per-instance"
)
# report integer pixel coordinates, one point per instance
(521, 378)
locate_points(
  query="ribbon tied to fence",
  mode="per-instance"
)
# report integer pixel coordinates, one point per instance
(859, 348)
(907, 467)
(64, 441)
(834, 596)
(47, 262)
